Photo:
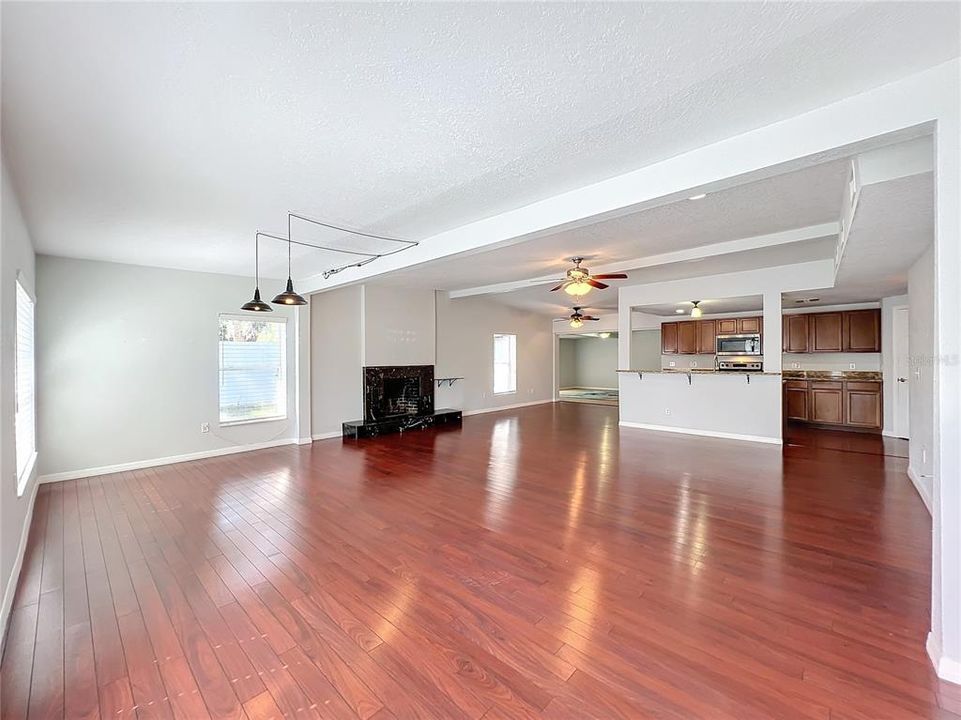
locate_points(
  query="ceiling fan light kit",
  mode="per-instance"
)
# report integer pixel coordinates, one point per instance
(696, 311)
(577, 319)
(579, 281)
(289, 296)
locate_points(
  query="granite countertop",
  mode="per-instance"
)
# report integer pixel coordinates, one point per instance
(831, 375)
(698, 371)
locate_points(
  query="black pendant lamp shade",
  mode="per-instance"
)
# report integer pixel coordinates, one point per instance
(256, 305)
(288, 296)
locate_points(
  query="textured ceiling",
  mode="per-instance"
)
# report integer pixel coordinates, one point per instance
(165, 134)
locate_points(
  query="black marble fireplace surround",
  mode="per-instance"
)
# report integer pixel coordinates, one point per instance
(396, 391)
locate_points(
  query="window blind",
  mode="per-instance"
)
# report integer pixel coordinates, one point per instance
(253, 370)
(25, 414)
(505, 363)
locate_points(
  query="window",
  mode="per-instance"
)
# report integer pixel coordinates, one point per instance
(25, 414)
(505, 363)
(253, 370)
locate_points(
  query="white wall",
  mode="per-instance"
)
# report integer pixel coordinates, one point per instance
(645, 349)
(128, 369)
(16, 256)
(566, 362)
(465, 330)
(684, 362)
(922, 352)
(399, 326)
(714, 405)
(336, 363)
(595, 362)
(832, 361)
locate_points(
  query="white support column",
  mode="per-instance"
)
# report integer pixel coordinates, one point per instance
(623, 334)
(302, 372)
(944, 642)
(772, 331)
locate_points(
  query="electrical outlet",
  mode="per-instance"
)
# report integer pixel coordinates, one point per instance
(205, 427)
(693, 363)
(851, 366)
(672, 364)
(667, 411)
(796, 365)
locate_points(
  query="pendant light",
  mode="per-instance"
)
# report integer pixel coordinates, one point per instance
(696, 311)
(256, 305)
(288, 296)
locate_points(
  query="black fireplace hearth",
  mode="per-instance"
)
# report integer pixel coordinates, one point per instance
(398, 398)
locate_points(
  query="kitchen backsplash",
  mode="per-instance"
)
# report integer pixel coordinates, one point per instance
(683, 362)
(831, 361)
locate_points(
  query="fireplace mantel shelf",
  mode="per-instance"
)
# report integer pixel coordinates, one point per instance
(449, 380)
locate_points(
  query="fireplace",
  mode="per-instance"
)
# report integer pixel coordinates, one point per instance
(397, 391)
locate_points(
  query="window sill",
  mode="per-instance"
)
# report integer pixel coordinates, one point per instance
(506, 392)
(254, 421)
(25, 475)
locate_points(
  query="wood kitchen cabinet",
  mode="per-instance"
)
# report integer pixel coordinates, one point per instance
(687, 338)
(796, 400)
(862, 404)
(749, 325)
(826, 332)
(827, 402)
(668, 338)
(862, 331)
(727, 326)
(795, 333)
(839, 404)
(705, 337)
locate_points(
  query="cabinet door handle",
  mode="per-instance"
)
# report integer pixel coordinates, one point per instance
(902, 379)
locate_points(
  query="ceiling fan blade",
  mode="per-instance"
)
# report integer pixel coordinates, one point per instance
(609, 276)
(558, 287)
(594, 284)
(589, 317)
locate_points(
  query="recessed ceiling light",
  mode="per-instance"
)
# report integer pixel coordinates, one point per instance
(680, 311)
(698, 197)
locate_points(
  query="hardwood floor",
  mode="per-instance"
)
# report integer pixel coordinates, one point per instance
(539, 563)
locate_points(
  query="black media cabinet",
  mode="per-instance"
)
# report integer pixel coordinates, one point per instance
(371, 428)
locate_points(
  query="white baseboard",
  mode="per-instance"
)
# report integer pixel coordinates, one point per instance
(155, 462)
(11, 588)
(922, 491)
(947, 668)
(704, 433)
(304, 440)
(465, 413)
(328, 435)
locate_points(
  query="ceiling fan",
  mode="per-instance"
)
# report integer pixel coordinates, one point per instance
(577, 319)
(579, 281)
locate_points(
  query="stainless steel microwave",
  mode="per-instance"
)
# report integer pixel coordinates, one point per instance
(746, 344)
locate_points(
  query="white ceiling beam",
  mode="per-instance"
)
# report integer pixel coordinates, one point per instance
(811, 232)
(897, 111)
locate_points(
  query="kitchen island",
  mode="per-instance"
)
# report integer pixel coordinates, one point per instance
(739, 405)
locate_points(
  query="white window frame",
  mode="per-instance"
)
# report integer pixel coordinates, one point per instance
(283, 366)
(26, 457)
(512, 365)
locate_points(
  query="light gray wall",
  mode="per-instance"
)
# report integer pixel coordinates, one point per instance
(16, 255)
(465, 330)
(832, 361)
(922, 351)
(683, 362)
(596, 362)
(399, 326)
(336, 365)
(567, 362)
(645, 350)
(128, 368)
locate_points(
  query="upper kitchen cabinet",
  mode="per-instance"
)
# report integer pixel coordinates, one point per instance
(687, 338)
(795, 333)
(862, 331)
(749, 325)
(826, 332)
(728, 326)
(705, 337)
(668, 338)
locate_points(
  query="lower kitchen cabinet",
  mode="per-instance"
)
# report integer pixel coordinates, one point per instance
(843, 404)
(827, 402)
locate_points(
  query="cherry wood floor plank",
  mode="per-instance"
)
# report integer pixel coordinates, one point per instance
(534, 564)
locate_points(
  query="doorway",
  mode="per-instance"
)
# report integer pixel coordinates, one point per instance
(587, 368)
(900, 332)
